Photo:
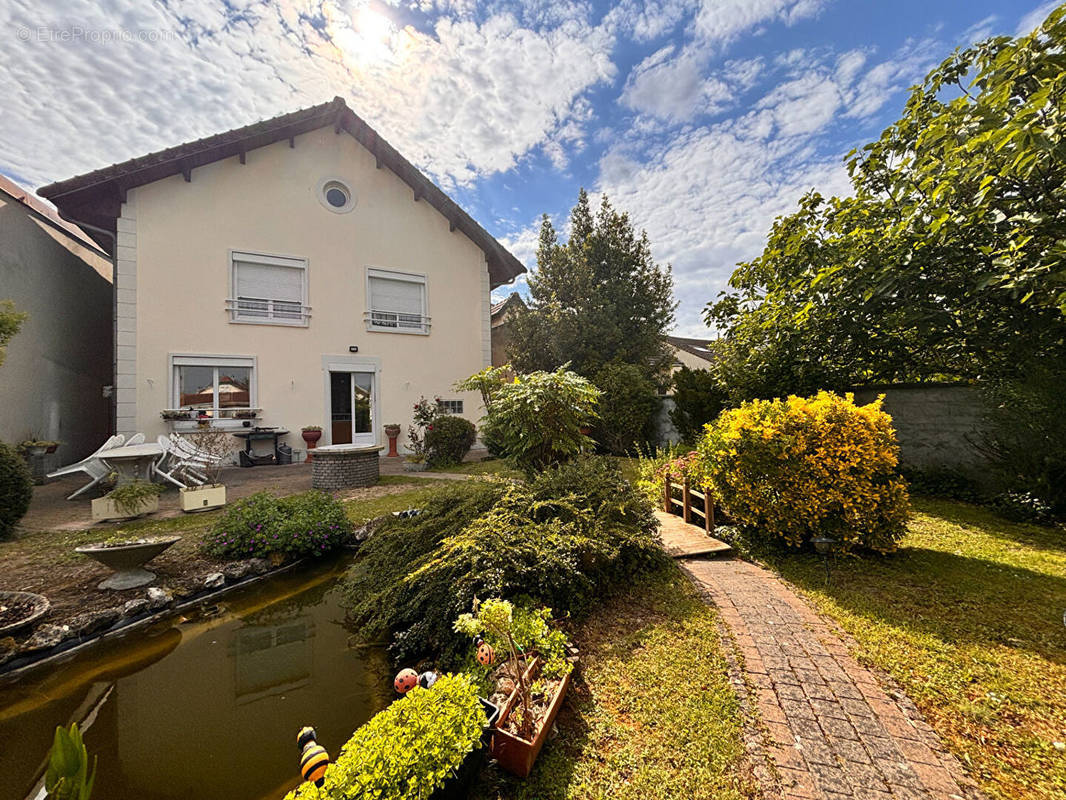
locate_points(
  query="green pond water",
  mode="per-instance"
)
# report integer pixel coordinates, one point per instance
(204, 706)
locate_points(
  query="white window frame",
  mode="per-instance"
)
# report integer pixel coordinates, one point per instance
(444, 407)
(177, 360)
(393, 275)
(250, 256)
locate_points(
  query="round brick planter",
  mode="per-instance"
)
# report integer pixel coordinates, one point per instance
(344, 466)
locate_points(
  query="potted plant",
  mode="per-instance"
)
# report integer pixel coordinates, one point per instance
(212, 494)
(128, 500)
(311, 434)
(172, 414)
(392, 430)
(536, 668)
(246, 413)
(37, 447)
(126, 557)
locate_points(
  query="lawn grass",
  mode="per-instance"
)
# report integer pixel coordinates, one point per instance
(493, 466)
(650, 714)
(968, 618)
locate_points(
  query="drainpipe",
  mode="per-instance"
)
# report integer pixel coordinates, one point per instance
(111, 402)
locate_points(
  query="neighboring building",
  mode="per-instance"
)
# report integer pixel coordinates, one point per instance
(300, 266)
(502, 314)
(52, 383)
(687, 352)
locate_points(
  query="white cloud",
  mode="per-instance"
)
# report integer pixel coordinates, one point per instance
(462, 101)
(648, 20)
(1031, 21)
(722, 21)
(674, 87)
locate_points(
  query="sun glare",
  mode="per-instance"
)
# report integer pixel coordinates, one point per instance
(364, 38)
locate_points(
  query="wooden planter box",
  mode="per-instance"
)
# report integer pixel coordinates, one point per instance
(517, 755)
(104, 508)
(202, 498)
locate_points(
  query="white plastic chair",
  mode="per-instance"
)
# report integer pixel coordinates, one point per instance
(192, 460)
(137, 438)
(90, 465)
(169, 466)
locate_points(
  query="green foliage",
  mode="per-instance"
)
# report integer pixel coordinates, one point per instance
(10, 322)
(529, 629)
(448, 439)
(129, 498)
(1023, 507)
(16, 489)
(536, 419)
(68, 776)
(487, 382)
(801, 468)
(946, 262)
(698, 399)
(651, 467)
(946, 482)
(307, 524)
(408, 750)
(569, 536)
(597, 298)
(628, 404)
(1024, 435)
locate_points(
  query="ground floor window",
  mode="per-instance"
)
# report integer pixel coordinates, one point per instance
(217, 386)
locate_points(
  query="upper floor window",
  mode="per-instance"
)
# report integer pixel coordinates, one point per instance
(269, 290)
(396, 302)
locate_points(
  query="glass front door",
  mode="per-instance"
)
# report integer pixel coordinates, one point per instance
(352, 408)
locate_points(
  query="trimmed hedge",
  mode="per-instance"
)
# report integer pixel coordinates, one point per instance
(407, 751)
(448, 440)
(804, 467)
(16, 489)
(307, 524)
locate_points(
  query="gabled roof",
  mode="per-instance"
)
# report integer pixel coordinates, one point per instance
(697, 347)
(513, 299)
(95, 198)
(47, 213)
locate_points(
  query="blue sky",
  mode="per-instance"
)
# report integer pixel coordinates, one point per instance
(704, 119)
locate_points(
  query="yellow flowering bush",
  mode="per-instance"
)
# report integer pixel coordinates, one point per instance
(806, 467)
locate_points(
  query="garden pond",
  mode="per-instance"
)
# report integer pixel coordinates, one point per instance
(205, 705)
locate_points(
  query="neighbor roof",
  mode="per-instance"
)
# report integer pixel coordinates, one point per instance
(514, 298)
(698, 347)
(23, 196)
(95, 198)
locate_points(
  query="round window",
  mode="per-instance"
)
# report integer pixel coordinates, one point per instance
(336, 195)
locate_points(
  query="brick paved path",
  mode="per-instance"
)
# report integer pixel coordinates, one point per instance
(832, 732)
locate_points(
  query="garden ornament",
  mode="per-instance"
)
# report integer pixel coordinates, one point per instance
(313, 757)
(406, 680)
(486, 656)
(427, 679)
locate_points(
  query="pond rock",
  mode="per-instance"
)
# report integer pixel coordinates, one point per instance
(92, 621)
(46, 637)
(135, 607)
(8, 648)
(216, 580)
(236, 571)
(159, 598)
(259, 566)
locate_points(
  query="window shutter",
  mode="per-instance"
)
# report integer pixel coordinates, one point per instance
(270, 282)
(398, 297)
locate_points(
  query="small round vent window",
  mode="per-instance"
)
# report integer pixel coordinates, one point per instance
(336, 195)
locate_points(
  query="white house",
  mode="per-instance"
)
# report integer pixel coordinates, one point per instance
(293, 272)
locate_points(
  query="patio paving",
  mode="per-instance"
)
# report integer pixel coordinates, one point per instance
(831, 730)
(51, 511)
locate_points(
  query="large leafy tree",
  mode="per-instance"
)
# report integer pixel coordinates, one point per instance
(596, 298)
(948, 259)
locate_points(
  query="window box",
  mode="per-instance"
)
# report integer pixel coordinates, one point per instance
(202, 498)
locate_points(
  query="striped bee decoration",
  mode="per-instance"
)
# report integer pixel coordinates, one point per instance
(314, 758)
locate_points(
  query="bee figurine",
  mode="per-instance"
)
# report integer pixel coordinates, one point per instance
(486, 656)
(313, 757)
(405, 681)
(427, 679)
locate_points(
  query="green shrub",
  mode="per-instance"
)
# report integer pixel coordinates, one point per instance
(408, 750)
(628, 405)
(1023, 507)
(572, 534)
(307, 524)
(448, 440)
(536, 420)
(16, 489)
(941, 481)
(804, 467)
(676, 460)
(698, 399)
(130, 498)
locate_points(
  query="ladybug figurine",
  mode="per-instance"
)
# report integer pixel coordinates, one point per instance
(406, 680)
(313, 757)
(486, 656)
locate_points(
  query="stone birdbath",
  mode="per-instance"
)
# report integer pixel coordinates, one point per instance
(126, 558)
(20, 609)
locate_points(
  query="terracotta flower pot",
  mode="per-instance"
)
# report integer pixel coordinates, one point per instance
(393, 432)
(514, 754)
(311, 437)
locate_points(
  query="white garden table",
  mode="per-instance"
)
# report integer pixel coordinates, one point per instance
(132, 462)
